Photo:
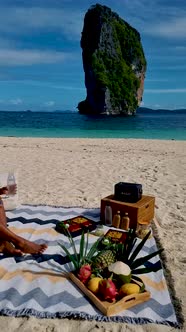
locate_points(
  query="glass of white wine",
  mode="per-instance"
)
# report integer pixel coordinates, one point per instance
(11, 184)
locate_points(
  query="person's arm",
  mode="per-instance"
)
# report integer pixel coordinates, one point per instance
(3, 220)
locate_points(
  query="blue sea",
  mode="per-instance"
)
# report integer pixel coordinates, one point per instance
(147, 124)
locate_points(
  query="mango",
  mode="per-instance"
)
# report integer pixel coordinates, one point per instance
(93, 284)
(129, 289)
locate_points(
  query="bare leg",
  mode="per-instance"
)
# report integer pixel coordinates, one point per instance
(24, 245)
(6, 235)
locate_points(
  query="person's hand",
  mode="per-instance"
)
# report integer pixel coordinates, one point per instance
(3, 191)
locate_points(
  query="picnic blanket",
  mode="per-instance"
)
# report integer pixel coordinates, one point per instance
(34, 285)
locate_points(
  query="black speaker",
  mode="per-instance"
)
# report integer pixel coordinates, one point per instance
(127, 192)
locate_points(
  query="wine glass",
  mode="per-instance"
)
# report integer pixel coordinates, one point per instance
(11, 184)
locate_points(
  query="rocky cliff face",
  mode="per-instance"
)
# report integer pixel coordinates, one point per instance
(113, 62)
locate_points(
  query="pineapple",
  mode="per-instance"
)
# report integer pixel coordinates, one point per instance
(104, 259)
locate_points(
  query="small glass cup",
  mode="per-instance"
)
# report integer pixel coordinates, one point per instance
(143, 227)
(99, 231)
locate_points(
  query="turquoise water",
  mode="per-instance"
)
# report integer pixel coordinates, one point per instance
(146, 124)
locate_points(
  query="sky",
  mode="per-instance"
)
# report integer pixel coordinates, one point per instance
(41, 59)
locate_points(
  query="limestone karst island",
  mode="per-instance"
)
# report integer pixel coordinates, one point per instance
(114, 64)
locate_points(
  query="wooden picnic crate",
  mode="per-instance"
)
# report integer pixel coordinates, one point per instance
(143, 210)
(107, 308)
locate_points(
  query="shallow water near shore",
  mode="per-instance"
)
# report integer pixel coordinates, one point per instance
(145, 124)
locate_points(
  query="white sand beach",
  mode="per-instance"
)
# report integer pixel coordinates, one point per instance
(79, 172)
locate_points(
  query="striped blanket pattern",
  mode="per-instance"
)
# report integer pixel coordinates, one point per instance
(35, 285)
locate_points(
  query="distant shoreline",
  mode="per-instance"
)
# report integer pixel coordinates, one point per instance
(140, 109)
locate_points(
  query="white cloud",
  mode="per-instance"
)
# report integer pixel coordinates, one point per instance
(150, 17)
(44, 84)
(181, 48)
(157, 105)
(66, 87)
(165, 90)
(176, 67)
(56, 86)
(158, 18)
(11, 57)
(172, 54)
(174, 28)
(17, 20)
(17, 101)
(157, 80)
(49, 103)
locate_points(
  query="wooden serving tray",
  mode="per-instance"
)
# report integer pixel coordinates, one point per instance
(107, 308)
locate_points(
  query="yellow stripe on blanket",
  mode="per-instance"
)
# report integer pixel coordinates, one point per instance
(34, 231)
(29, 276)
(159, 286)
